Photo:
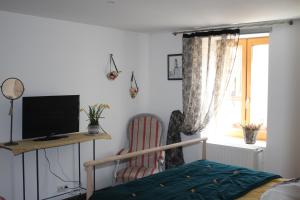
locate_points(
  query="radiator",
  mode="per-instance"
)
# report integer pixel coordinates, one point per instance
(245, 157)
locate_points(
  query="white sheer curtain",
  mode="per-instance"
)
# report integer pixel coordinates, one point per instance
(208, 60)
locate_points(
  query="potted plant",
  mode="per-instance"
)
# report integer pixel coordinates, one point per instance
(94, 114)
(250, 132)
(134, 88)
(112, 75)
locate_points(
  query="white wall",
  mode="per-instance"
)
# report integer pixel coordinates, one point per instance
(283, 112)
(165, 96)
(282, 154)
(55, 57)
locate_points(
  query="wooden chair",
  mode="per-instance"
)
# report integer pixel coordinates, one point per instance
(144, 132)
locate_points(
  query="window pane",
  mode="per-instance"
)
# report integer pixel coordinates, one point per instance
(259, 84)
(229, 115)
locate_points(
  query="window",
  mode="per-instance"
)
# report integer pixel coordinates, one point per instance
(246, 98)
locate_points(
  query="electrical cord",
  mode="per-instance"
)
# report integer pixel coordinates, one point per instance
(61, 169)
(54, 174)
(78, 188)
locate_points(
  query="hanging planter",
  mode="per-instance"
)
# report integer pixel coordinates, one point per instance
(113, 74)
(134, 89)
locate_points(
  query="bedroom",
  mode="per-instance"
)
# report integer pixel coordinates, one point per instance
(52, 48)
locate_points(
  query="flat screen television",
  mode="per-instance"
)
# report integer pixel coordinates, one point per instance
(47, 117)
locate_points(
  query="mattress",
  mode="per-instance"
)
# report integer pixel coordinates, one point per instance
(199, 180)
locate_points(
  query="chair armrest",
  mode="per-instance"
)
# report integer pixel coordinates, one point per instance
(123, 151)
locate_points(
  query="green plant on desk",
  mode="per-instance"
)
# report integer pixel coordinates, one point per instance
(94, 114)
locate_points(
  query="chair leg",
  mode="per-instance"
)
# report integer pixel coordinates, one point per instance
(114, 181)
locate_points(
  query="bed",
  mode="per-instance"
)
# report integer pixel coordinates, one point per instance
(199, 180)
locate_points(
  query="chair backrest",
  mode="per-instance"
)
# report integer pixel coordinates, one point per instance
(144, 132)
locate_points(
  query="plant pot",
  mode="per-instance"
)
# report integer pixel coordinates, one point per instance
(112, 75)
(93, 129)
(250, 136)
(133, 92)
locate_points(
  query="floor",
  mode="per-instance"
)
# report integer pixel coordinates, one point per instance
(81, 197)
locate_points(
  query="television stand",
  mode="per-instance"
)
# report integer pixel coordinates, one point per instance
(52, 137)
(29, 145)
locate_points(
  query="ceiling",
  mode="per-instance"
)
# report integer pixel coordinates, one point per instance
(157, 15)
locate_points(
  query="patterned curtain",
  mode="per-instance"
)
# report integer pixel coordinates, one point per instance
(208, 60)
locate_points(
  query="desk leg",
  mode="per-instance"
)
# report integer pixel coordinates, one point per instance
(23, 171)
(79, 165)
(94, 157)
(37, 175)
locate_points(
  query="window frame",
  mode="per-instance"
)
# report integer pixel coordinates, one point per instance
(247, 44)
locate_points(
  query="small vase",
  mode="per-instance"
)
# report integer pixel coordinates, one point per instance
(93, 129)
(250, 136)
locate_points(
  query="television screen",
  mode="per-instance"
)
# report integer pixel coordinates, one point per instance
(50, 115)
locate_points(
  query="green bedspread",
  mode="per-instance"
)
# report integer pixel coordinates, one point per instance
(201, 180)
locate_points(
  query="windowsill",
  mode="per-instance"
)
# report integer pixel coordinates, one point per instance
(236, 142)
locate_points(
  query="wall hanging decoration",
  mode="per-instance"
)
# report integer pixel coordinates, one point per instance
(12, 89)
(113, 74)
(175, 67)
(134, 89)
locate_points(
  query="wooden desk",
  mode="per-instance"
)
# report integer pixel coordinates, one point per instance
(73, 138)
(29, 145)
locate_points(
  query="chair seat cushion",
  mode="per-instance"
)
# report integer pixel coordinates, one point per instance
(133, 173)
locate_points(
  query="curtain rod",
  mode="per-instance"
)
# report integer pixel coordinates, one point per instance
(242, 25)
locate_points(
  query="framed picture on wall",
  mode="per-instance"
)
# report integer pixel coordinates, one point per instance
(175, 67)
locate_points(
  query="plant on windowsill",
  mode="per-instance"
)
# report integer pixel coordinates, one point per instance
(250, 131)
(94, 114)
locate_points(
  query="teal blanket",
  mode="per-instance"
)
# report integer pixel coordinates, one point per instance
(201, 180)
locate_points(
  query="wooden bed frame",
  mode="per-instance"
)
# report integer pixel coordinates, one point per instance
(89, 165)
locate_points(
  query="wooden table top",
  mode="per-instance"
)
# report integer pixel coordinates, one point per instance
(73, 138)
